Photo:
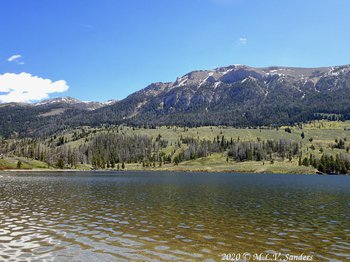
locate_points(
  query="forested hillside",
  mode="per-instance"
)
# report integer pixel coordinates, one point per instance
(303, 148)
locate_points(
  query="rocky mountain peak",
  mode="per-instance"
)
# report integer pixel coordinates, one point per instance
(59, 100)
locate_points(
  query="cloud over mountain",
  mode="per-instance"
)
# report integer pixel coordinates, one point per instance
(25, 87)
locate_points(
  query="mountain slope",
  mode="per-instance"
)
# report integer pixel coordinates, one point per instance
(237, 95)
(45, 117)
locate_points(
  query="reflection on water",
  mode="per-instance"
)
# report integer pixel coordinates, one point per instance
(172, 216)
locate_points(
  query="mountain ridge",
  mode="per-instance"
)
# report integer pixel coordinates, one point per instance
(235, 95)
(64, 100)
(300, 81)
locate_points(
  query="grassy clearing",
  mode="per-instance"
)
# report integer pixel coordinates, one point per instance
(319, 138)
(11, 163)
(217, 163)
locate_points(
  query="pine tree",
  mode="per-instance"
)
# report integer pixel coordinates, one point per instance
(321, 167)
(306, 162)
(300, 162)
(60, 163)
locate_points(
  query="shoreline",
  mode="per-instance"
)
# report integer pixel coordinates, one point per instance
(147, 170)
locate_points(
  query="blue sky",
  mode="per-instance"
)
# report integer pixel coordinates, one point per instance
(107, 49)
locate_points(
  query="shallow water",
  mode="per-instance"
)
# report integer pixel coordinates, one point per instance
(143, 216)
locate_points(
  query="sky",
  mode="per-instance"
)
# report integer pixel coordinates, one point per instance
(96, 50)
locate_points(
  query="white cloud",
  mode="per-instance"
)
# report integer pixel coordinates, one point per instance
(18, 59)
(24, 87)
(243, 41)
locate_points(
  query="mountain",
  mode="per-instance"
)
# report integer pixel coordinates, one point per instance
(236, 95)
(69, 102)
(47, 116)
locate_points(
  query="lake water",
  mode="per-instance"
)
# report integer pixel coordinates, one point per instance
(143, 216)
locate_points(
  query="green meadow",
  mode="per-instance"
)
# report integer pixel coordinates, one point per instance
(316, 138)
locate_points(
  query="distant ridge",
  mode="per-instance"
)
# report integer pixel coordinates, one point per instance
(236, 95)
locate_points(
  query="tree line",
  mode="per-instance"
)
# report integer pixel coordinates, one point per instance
(340, 164)
(114, 150)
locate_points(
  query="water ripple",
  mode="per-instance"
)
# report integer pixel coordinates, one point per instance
(181, 217)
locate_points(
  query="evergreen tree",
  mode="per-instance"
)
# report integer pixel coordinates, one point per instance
(306, 162)
(60, 163)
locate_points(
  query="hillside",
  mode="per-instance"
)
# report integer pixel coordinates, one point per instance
(319, 145)
(45, 117)
(237, 95)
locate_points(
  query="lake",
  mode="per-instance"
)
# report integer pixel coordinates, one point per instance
(144, 216)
